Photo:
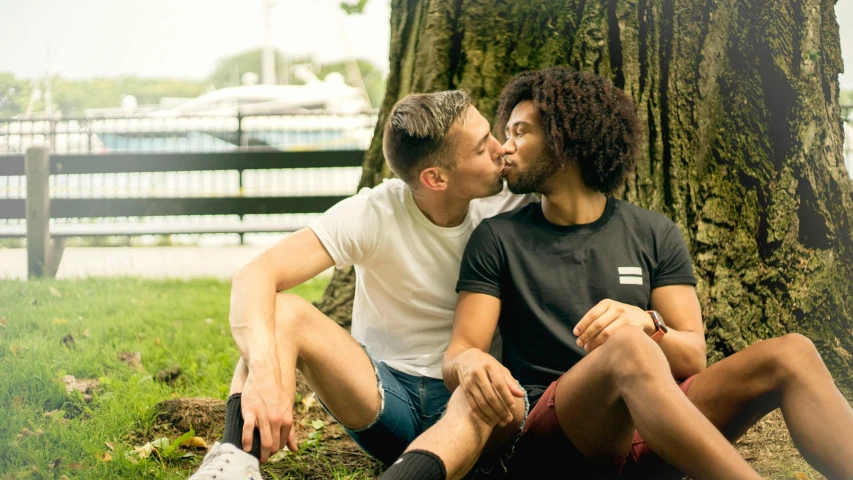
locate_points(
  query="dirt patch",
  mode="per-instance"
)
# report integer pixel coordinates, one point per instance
(204, 415)
(324, 447)
(769, 449)
(323, 451)
(326, 450)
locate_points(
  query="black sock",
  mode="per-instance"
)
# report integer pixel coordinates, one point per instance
(416, 465)
(234, 427)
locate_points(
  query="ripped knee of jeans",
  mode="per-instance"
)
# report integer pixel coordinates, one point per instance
(381, 410)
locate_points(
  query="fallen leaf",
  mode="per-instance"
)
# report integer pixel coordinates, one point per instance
(801, 476)
(111, 446)
(3, 322)
(167, 375)
(60, 321)
(54, 414)
(39, 432)
(75, 466)
(157, 340)
(278, 456)
(144, 451)
(68, 340)
(87, 333)
(134, 359)
(104, 456)
(18, 401)
(55, 292)
(195, 442)
(14, 349)
(25, 432)
(309, 401)
(317, 424)
(86, 387)
(160, 443)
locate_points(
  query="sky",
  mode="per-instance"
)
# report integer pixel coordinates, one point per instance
(177, 38)
(184, 38)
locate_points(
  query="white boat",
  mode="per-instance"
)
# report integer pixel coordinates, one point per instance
(323, 114)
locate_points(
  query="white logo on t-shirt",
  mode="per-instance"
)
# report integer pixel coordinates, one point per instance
(630, 275)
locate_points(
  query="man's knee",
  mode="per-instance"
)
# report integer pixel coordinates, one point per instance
(793, 354)
(799, 345)
(629, 348)
(289, 309)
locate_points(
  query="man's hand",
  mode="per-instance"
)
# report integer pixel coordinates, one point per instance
(488, 386)
(603, 319)
(266, 406)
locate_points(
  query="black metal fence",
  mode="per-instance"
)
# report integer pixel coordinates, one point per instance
(302, 131)
(238, 174)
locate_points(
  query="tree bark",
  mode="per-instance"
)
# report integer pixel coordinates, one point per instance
(743, 138)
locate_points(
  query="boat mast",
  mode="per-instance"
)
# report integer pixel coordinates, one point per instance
(268, 57)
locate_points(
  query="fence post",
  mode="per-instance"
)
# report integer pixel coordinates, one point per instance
(43, 253)
(239, 128)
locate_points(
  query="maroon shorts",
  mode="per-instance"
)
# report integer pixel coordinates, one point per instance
(544, 451)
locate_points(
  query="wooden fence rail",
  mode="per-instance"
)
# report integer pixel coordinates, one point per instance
(45, 248)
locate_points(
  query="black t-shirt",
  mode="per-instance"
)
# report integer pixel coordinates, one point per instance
(549, 276)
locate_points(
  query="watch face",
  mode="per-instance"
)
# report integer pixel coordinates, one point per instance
(658, 321)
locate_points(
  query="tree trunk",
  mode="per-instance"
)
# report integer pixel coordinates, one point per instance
(739, 103)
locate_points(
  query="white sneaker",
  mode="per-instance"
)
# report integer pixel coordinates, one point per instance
(227, 462)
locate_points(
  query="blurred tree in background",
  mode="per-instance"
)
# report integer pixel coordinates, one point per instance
(72, 97)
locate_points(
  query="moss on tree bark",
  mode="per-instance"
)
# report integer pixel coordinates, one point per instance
(739, 103)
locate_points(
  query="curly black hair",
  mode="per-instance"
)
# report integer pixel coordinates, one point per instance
(585, 118)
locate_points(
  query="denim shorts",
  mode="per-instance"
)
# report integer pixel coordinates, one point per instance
(409, 405)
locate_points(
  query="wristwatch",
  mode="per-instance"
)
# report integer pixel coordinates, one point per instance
(660, 327)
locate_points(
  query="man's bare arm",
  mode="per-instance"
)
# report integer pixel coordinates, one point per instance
(684, 343)
(488, 385)
(289, 263)
(267, 397)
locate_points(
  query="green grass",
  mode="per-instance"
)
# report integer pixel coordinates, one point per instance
(170, 322)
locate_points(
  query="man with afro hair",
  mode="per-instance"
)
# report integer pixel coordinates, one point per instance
(595, 300)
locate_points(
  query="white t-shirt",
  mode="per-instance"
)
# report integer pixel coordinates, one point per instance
(406, 270)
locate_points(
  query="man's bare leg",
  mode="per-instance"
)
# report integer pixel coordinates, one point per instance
(460, 437)
(626, 383)
(786, 373)
(334, 364)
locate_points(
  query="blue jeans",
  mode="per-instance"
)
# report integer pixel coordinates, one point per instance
(410, 405)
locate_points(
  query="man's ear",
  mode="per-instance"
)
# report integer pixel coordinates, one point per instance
(434, 178)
